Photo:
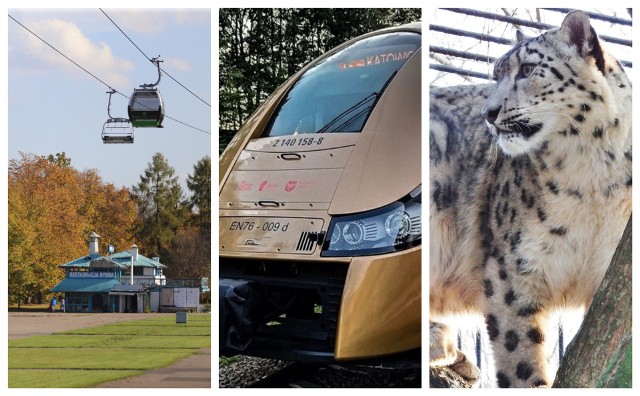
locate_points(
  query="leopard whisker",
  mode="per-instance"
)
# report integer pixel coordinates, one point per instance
(541, 111)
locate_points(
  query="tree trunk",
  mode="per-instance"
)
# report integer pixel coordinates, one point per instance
(444, 377)
(600, 354)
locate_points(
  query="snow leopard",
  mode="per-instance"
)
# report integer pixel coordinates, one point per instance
(530, 187)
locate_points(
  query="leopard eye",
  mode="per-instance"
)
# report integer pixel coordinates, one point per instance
(526, 70)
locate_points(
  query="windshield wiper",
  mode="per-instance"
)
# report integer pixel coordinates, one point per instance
(337, 118)
(374, 95)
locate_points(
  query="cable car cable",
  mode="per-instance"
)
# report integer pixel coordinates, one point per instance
(92, 75)
(69, 59)
(190, 126)
(149, 59)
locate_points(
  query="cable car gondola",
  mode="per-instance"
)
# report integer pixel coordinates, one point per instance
(116, 130)
(146, 108)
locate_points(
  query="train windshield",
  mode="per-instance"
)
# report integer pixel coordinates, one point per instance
(338, 93)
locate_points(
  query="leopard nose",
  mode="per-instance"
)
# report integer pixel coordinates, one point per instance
(492, 114)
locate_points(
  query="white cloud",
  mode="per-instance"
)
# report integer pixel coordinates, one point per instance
(151, 21)
(143, 21)
(195, 16)
(177, 64)
(67, 38)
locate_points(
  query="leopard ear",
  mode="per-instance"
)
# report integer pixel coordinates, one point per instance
(576, 30)
(520, 37)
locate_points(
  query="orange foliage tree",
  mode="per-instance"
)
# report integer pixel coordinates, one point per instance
(52, 208)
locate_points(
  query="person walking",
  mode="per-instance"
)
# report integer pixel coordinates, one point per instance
(53, 304)
(62, 306)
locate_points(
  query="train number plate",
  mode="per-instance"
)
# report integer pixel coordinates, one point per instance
(279, 235)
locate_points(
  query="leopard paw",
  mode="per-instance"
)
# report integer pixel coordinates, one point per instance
(443, 352)
(442, 348)
(466, 369)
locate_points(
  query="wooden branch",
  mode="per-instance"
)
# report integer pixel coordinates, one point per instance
(444, 377)
(600, 354)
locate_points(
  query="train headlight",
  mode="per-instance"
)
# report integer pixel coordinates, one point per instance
(398, 224)
(353, 232)
(391, 228)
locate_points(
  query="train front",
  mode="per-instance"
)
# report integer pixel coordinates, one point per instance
(320, 210)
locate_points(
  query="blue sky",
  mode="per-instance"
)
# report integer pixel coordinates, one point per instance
(54, 106)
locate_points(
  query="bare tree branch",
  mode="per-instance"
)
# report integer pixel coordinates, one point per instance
(440, 59)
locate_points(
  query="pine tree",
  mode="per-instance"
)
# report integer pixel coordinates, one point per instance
(158, 197)
(200, 185)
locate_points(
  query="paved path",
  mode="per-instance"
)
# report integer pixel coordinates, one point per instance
(191, 372)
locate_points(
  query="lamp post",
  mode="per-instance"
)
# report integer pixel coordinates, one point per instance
(134, 258)
(19, 288)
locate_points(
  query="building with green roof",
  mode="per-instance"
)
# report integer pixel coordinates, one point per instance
(97, 283)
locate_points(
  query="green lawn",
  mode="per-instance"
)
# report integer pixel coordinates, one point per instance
(91, 358)
(111, 340)
(88, 357)
(65, 378)
(173, 329)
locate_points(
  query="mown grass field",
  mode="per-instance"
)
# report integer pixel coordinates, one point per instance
(87, 357)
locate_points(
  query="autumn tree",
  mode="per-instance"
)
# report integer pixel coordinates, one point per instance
(118, 213)
(52, 208)
(21, 245)
(158, 197)
(45, 226)
(190, 255)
